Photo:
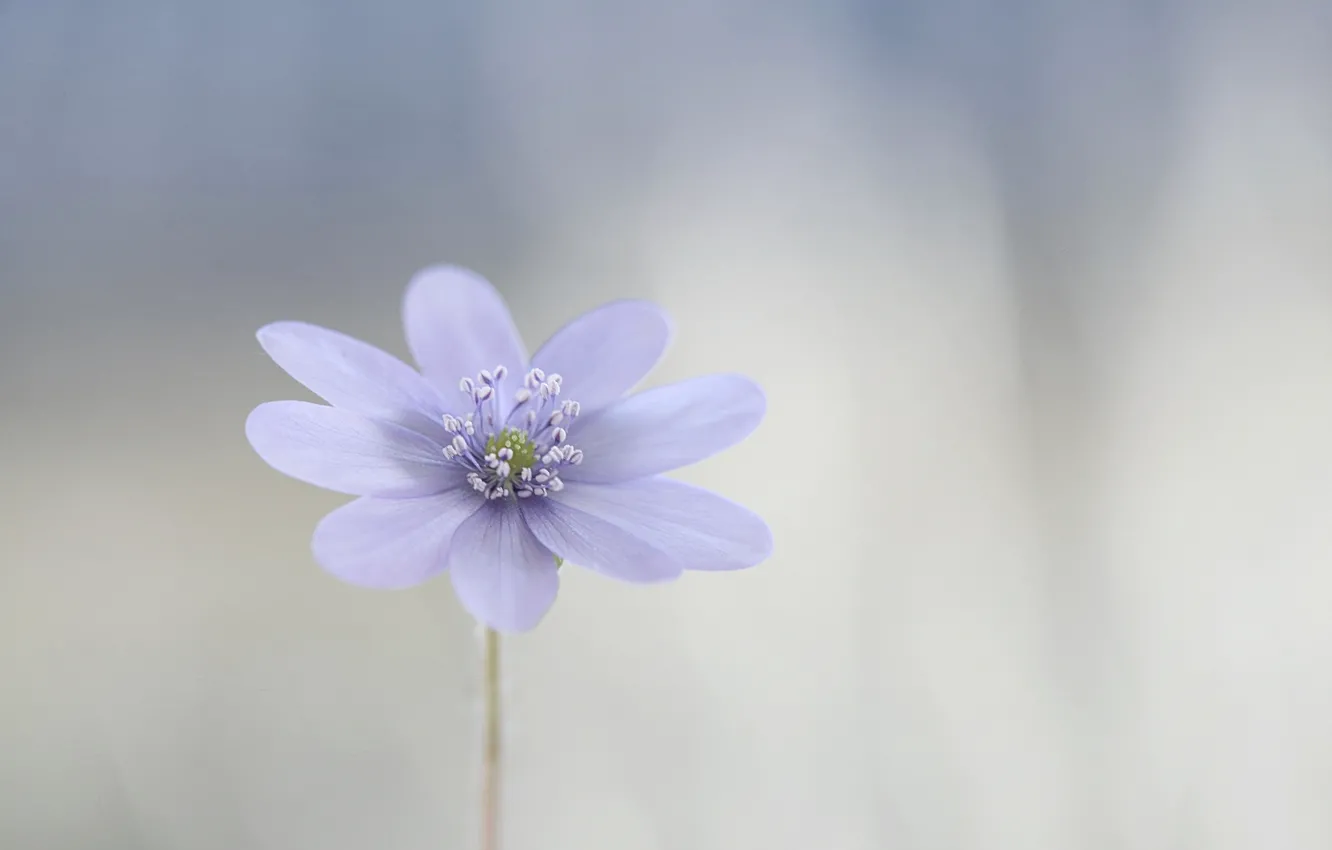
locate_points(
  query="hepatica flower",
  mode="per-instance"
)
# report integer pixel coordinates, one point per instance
(495, 467)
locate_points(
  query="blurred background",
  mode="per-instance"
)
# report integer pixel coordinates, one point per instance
(1041, 296)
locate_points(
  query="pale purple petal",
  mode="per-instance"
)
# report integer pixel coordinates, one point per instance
(694, 528)
(354, 375)
(347, 452)
(457, 325)
(596, 544)
(665, 428)
(602, 354)
(501, 572)
(392, 543)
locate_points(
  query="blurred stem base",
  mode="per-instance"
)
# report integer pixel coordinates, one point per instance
(491, 741)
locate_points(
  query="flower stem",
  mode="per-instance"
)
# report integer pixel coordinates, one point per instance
(490, 758)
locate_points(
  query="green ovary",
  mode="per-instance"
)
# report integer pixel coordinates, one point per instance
(516, 441)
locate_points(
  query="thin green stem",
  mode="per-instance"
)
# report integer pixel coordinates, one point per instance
(490, 764)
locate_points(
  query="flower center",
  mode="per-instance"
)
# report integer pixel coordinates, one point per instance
(521, 449)
(517, 453)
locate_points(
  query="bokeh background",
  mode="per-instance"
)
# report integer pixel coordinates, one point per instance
(1041, 293)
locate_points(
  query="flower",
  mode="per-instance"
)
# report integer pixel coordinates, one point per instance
(498, 469)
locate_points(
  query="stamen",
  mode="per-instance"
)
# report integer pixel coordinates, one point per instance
(521, 456)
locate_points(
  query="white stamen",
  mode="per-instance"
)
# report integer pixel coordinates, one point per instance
(494, 474)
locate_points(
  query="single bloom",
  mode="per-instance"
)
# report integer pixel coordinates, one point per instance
(497, 467)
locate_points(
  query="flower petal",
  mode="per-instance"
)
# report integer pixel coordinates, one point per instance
(665, 428)
(501, 572)
(353, 375)
(392, 543)
(602, 354)
(457, 325)
(347, 452)
(696, 529)
(596, 544)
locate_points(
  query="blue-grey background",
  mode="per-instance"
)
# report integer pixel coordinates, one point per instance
(1041, 293)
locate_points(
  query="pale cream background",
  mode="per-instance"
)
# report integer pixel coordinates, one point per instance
(1041, 296)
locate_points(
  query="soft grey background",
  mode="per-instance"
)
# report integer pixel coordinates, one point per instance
(1039, 291)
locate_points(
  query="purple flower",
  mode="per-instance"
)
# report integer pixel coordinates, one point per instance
(498, 469)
